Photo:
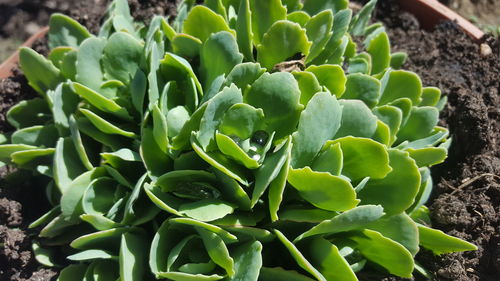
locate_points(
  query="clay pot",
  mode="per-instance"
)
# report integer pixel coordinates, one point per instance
(7, 65)
(428, 12)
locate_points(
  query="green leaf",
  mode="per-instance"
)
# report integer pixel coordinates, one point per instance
(384, 252)
(64, 103)
(330, 76)
(420, 124)
(323, 190)
(65, 31)
(429, 156)
(398, 59)
(282, 41)
(362, 87)
(160, 128)
(57, 54)
(106, 239)
(72, 272)
(299, 17)
(392, 116)
(99, 196)
(363, 158)
(212, 116)
(314, 6)
(279, 274)
(264, 13)
(277, 188)
(206, 209)
(318, 123)
(121, 57)
(30, 159)
(299, 258)
(329, 261)
(440, 243)
(67, 164)
(242, 120)
(330, 159)
(388, 191)
(101, 102)
(41, 136)
(217, 250)
(362, 18)
(270, 169)
(401, 84)
(219, 54)
(243, 28)
(201, 22)
(318, 30)
(105, 126)
(90, 255)
(357, 120)
(230, 148)
(133, 256)
(71, 199)
(68, 65)
(44, 256)
(175, 68)
(42, 75)
(186, 45)
(247, 261)
(399, 228)
(88, 63)
(430, 96)
(380, 50)
(308, 85)
(354, 219)
(244, 74)
(156, 161)
(29, 113)
(278, 95)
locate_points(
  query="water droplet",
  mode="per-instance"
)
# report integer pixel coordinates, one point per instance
(260, 137)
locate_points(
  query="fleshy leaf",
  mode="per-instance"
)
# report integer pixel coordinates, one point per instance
(318, 29)
(380, 49)
(362, 87)
(283, 40)
(363, 157)
(216, 108)
(329, 261)
(202, 22)
(440, 243)
(330, 76)
(65, 31)
(356, 218)
(244, 32)
(247, 261)
(315, 6)
(401, 84)
(357, 120)
(42, 75)
(219, 54)
(323, 190)
(388, 191)
(318, 123)
(299, 258)
(242, 120)
(278, 95)
(121, 57)
(384, 252)
(264, 14)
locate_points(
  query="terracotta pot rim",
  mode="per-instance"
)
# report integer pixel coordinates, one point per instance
(10, 62)
(428, 12)
(431, 12)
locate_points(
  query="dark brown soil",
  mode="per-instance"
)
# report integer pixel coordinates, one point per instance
(22, 201)
(466, 200)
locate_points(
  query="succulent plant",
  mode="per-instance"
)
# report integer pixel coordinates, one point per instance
(244, 140)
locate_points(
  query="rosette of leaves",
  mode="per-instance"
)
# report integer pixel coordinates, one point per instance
(244, 140)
